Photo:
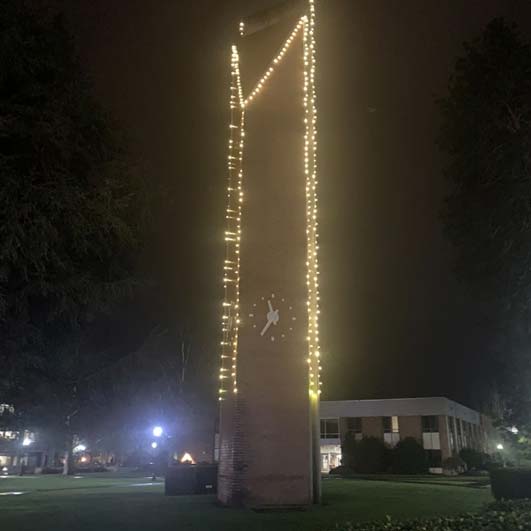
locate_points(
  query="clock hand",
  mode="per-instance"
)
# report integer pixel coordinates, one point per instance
(264, 330)
(270, 306)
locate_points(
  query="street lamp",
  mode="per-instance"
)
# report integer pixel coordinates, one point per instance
(499, 446)
(154, 445)
(158, 431)
(27, 441)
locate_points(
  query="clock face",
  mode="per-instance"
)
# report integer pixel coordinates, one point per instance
(272, 317)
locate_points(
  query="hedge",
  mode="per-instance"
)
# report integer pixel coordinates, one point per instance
(501, 516)
(511, 483)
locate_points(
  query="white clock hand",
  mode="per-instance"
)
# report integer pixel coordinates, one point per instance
(264, 330)
(270, 306)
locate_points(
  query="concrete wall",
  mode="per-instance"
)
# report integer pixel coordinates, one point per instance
(399, 407)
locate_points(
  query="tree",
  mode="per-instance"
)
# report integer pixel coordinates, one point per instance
(73, 213)
(348, 450)
(409, 457)
(486, 135)
(371, 456)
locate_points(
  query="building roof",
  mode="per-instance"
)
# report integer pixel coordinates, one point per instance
(400, 407)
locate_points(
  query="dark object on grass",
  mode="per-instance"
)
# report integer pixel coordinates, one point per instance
(191, 479)
(511, 483)
(341, 470)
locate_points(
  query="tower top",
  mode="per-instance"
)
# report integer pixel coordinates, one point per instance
(268, 17)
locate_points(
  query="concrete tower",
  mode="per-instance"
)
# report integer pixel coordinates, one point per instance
(270, 360)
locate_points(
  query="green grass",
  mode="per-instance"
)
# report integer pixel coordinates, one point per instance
(110, 503)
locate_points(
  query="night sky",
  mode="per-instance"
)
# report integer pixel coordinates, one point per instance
(395, 323)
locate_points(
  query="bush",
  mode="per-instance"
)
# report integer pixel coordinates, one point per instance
(409, 457)
(371, 456)
(511, 483)
(348, 450)
(454, 465)
(506, 516)
(474, 459)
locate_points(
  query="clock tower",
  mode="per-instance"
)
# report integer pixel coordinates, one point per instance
(269, 380)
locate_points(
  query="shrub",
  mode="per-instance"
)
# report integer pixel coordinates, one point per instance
(511, 483)
(474, 459)
(506, 516)
(409, 457)
(454, 465)
(348, 450)
(370, 456)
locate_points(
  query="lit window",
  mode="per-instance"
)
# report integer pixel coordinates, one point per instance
(391, 430)
(430, 433)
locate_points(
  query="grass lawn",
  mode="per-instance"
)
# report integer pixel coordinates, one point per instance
(111, 502)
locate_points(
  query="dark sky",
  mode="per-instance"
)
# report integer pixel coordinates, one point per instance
(394, 320)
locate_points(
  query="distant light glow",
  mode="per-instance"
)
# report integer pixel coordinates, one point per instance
(27, 441)
(158, 431)
(84, 459)
(154, 445)
(187, 458)
(514, 430)
(499, 446)
(79, 448)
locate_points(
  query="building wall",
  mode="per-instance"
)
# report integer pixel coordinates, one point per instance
(476, 430)
(372, 427)
(410, 426)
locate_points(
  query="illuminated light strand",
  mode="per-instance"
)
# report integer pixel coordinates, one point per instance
(235, 198)
(271, 69)
(310, 169)
(231, 280)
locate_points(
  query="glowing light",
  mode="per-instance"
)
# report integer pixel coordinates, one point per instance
(499, 446)
(154, 445)
(84, 459)
(158, 431)
(79, 448)
(187, 458)
(27, 441)
(235, 197)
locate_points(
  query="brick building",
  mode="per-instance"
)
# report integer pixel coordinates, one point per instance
(441, 425)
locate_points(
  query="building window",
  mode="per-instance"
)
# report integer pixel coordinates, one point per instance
(354, 426)
(329, 428)
(330, 456)
(459, 428)
(430, 433)
(430, 424)
(391, 430)
(451, 424)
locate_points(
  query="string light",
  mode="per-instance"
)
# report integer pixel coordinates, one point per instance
(310, 170)
(271, 69)
(231, 266)
(231, 279)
